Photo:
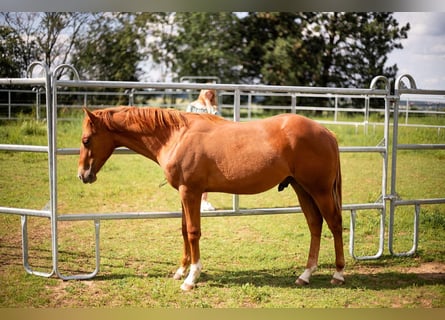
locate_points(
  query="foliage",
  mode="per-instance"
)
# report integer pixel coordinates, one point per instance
(274, 51)
(12, 58)
(207, 44)
(280, 48)
(110, 50)
(285, 48)
(160, 29)
(46, 36)
(353, 47)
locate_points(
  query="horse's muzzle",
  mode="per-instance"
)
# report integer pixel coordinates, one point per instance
(87, 176)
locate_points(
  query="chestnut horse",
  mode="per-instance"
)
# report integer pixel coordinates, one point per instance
(206, 153)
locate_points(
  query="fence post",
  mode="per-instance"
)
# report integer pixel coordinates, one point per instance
(393, 193)
(236, 118)
(294, 103)
(384, 179)
(9, 104)
(52, 136)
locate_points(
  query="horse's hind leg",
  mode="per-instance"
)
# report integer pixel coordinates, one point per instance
(315, 223)
(332, 214)
(334, 222)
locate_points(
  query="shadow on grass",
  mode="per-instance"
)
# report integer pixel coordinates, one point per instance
(379, 279)
(385, 273)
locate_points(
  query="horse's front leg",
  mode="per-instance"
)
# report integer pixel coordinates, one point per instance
(191, 229)
(186, 258)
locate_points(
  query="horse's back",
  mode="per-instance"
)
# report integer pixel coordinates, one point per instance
(289, 134)
(251, 157)
(301, 132)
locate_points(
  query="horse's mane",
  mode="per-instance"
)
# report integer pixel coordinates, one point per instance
(146, 119)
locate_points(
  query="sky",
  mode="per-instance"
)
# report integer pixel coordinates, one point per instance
(423, 53)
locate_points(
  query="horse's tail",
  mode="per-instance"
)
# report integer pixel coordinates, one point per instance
(337, 189)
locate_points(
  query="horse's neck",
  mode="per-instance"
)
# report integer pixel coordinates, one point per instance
(148, 144)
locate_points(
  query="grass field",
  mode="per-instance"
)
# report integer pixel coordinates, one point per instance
(248, 261)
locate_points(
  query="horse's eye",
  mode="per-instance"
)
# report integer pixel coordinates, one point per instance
(86, 141)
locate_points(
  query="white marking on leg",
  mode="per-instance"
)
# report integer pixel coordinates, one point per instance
(179, 273)
(307, 274)
(190, 281)
(338, 275)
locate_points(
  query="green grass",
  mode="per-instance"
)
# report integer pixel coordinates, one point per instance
(248, 261)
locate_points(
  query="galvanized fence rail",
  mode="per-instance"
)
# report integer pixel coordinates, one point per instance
(52, 87)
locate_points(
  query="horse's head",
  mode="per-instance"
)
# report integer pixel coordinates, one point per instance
(96, 147)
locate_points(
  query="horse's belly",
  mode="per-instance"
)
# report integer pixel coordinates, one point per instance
(244, 188)
(247, 180)
(248, 188)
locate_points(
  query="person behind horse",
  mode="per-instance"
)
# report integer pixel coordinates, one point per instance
(206, 103)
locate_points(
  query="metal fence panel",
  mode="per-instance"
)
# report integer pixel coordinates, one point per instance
(52, 85)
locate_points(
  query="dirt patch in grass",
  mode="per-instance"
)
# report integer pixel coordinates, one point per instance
(429, 271)
(425, 270)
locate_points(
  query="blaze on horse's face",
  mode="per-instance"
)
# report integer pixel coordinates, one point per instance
(96, 147)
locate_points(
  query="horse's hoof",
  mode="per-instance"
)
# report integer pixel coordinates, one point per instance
(337, 282)
(177, 276)
(187, 287)
(300, 282)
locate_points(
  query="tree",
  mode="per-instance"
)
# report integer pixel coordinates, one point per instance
(286, 48)
(47, 36)
(111, 49)
(352, 48)
(12, 58)
(273, 49)
(381, 34)
(320, 49)
(206, 44)
(161, 31)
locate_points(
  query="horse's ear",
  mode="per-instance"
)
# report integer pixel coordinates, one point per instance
(93, 118)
